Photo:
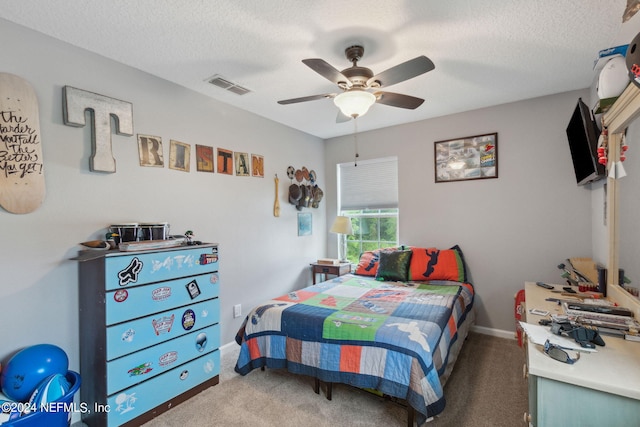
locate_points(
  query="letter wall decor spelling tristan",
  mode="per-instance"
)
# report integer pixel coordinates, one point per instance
(76, 101)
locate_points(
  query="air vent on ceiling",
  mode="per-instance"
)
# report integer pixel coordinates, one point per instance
(218, 80)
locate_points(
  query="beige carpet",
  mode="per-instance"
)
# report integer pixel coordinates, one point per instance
(486, 388)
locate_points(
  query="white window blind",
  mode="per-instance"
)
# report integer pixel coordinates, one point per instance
(373, 184)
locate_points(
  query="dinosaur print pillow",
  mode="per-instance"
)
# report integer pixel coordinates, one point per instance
(437, 264)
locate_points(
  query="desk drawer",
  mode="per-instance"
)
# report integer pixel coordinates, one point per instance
(137, 400)
(135, 335)
(140, 268)
(134, 368)
(139, 301)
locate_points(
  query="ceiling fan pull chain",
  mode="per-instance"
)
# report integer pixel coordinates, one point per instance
(355, 140)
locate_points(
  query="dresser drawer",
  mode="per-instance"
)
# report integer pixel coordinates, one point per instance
(137, 400)
(129, 303)
(128, 270)
(134, 368)
(125, 338)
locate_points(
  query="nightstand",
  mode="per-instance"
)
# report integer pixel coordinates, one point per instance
(336, 270)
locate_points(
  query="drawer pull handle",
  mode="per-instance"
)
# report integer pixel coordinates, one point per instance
(525, 372)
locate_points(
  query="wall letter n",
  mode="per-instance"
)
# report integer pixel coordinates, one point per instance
(76, 101)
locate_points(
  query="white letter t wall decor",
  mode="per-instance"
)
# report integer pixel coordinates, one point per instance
(76, 101)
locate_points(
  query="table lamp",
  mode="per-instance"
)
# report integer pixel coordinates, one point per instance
(342, 226)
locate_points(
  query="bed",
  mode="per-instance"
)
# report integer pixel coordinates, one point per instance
(394, 325)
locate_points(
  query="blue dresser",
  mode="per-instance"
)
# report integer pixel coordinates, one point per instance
(149, 331)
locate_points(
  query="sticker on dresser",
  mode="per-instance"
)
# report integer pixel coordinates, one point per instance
(130, 274)
(135, 401)
(131, 369)
(128, 337)
(142, 268)
(139, 301)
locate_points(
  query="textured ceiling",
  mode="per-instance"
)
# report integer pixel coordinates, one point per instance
(485, 52)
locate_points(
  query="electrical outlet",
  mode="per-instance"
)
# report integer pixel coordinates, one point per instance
(237, 310)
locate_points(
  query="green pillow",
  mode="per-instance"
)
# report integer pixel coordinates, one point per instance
(394, 266)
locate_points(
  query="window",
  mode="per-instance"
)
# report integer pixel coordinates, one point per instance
(368, 194)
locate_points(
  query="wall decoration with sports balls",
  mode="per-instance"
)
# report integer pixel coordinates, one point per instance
(204, 158)
(179, 156)
(150, 151)
(22, 186)
(225, 161)
(76, 101)
(305, 193)
(473, 157)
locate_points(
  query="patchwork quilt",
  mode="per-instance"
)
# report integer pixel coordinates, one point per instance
(390, 336)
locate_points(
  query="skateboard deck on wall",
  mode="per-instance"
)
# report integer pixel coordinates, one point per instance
(22, 186)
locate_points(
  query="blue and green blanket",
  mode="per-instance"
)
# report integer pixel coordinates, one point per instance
(389, 336)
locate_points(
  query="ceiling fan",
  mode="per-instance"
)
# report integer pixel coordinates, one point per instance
(356, 83)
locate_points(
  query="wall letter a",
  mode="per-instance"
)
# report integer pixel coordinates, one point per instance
(76, 101)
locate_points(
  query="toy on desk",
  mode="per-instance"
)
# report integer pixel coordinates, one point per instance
(545, 285)
(585, 336)
(188, 235)
(571, 274)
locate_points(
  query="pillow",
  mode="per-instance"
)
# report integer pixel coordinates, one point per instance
(463, 262)
(394, 266)
(437, 264)
(368, 263)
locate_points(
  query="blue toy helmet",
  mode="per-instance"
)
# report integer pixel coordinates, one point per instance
(28, 367)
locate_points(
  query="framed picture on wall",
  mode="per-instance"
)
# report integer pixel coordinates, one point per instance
(179, 156)
(150, 151)
(304, 223)
(242, 164)
(225, 161)
(204, 158)
(461, 159)
(257, 165)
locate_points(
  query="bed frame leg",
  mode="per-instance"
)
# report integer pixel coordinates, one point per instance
(410, 416)
(316, 388)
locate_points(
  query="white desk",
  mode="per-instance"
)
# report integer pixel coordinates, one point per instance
(601, 389)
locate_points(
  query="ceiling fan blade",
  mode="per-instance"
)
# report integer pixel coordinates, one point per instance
(401, 72)
(341, 118)
(398, 100)
(306, 98)
(327, 71)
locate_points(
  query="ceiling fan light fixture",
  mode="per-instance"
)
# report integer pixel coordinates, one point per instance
(354, 102)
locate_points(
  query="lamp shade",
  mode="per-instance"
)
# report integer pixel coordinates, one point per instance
(342, 225)
(354, 102)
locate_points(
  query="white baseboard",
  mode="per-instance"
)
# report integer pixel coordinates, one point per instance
(228, 347)
(500, 333)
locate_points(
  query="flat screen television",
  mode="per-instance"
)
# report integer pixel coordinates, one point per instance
(582, 134)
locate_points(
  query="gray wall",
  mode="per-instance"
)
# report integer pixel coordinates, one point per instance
(260, 255)
(513, 229)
